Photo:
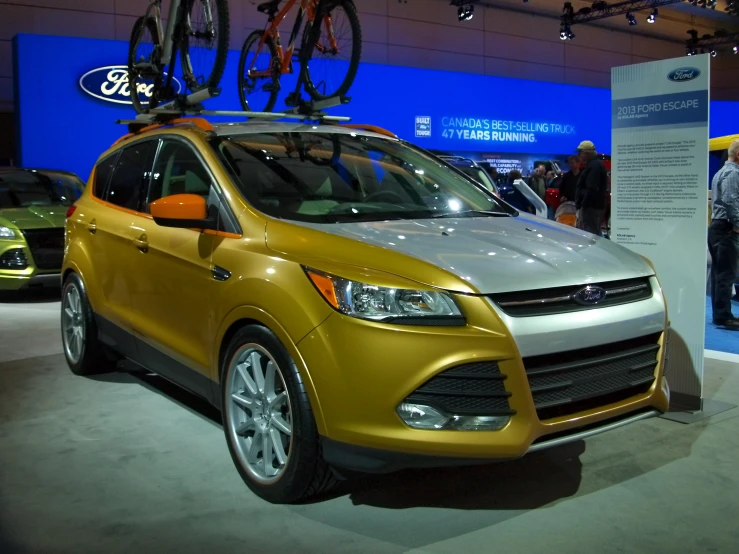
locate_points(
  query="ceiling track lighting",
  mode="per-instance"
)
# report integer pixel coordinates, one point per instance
(465, 12)
(631, 19)
(653, 16)
(720, 41)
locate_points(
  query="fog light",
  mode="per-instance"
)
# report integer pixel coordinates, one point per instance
(479, 423)
(419, 416)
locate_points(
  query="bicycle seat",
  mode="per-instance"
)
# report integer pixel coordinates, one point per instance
(270, 8)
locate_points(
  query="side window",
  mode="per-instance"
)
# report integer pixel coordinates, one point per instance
(130, 179)
(178, 170)
(103, 171)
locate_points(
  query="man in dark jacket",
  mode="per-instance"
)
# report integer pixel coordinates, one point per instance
(723, 236)
(592, 188)
(568, 184)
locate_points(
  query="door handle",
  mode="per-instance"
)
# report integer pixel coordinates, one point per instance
(92, 227)
(142, 244)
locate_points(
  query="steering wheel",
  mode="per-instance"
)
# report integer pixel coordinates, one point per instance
(392, 197)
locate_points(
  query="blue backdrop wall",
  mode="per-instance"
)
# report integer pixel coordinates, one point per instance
(61, 125)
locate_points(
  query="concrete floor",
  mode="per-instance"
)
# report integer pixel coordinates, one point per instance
(125, 463)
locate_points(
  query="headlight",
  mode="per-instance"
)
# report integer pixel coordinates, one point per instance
(404, 306)
(7, 233)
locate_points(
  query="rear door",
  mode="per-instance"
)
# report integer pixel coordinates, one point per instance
(123, 182)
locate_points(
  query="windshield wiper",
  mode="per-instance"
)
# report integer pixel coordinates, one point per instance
(464, 213)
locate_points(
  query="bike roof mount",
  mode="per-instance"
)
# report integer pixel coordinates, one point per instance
(191, 105)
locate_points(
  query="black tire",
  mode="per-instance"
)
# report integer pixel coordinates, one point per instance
(139, 34)
(305, 473)
(316, 81)
(93, 358)
(217, 64)
(249, 92)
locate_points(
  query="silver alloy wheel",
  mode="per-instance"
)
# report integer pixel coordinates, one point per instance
(73, 324)
(258, 413)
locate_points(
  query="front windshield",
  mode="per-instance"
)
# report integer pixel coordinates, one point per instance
(25, 189)
(342, 177)
(479, 175)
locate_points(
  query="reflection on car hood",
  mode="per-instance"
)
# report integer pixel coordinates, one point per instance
(501, 254)
(34, 217)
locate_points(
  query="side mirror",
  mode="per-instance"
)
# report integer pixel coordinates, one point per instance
(188, 211)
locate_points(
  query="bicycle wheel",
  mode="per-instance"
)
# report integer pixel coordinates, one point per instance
(334, 52)
(144, 71)
(204, 45)
(259, 93)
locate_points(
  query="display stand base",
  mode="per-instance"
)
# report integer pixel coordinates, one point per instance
(710, 408)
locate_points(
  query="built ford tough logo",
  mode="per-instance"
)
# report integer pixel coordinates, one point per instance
(110, 83)
(590, 295)
(683, 74)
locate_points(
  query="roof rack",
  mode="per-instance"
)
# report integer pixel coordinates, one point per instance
(191, 105)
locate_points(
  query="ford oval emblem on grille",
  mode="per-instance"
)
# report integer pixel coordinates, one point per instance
(590, 295)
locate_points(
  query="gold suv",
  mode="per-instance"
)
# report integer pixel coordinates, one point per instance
(350, 301)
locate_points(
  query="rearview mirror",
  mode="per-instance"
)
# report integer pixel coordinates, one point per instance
(187, 211)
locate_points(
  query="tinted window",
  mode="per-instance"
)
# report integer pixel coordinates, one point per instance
(130, 179)
(103, 171)
(23, 189)
(178, 170)
(327, 177)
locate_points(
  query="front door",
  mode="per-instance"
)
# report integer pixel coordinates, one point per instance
(173, 287)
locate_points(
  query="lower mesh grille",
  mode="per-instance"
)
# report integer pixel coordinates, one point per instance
(47, 247)
(581, 380)
(469, 389)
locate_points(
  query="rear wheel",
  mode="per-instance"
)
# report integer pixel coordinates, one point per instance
(204, 46)
(267, 418)
(84, 352)
(144, 72)
(335, 50)
(259, 93)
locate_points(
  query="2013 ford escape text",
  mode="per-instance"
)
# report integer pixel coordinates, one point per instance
(350, 301)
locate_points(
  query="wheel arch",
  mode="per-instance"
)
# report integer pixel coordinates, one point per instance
(249, 315)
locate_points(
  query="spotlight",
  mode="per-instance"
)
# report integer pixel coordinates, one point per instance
(565, 32)
(562, 33)
(735, 49)
(465, 12)
(570, 34)
(653, 16)
(631, 19)
(713, 53)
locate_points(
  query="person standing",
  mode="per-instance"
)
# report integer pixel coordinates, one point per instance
(568, 185)
(538, 183)
(591, 190)
(723, 238)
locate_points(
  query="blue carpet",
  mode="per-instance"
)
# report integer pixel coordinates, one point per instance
(721, 339)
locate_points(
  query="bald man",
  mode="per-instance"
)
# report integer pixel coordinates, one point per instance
(723, 239)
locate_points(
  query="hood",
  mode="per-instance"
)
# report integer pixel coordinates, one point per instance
(34, 217)
(489, 254)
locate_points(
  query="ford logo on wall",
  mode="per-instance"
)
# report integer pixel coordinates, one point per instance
(110, 83)
(590, 295)
(682, 74)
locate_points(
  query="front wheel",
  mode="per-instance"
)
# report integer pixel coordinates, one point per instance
(205, 43)
(267, 418)
(335, 50)
(259, 73)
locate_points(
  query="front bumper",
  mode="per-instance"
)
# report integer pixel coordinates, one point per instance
(30, 276)
(361, 371)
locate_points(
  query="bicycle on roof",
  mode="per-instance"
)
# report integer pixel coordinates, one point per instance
(331, 46)
(198, 29)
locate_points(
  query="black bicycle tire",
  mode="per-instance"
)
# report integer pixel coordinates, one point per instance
(137, 106)
(269, 42)
(309, 42)
(221, 50)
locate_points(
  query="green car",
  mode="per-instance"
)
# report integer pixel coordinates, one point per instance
(33, 208)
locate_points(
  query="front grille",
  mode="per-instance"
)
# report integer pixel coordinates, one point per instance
(47, 247)
(564, 299)
(13, 259)
(469, 389)
(570, 382)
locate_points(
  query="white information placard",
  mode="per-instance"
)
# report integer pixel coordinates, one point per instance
(659, 196)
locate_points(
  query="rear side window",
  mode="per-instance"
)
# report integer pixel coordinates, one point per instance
(130, 178)
(103, 171)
